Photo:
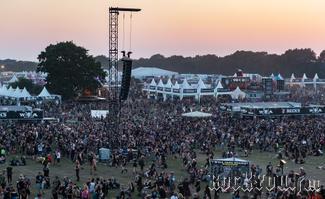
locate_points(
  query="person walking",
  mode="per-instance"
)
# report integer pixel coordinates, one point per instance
(9, 174)
(77, 168)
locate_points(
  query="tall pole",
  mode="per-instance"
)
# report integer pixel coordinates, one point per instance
(113, 81)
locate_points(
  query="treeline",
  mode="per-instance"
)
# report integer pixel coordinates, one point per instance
(296, 61)
(17, 66)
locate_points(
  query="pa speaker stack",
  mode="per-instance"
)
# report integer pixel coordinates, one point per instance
(126, 77)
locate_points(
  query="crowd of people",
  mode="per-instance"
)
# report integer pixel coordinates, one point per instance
(151, 132)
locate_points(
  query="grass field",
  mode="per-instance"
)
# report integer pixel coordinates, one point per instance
(66, 168)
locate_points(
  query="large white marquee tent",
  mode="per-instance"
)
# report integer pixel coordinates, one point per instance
(185, 89)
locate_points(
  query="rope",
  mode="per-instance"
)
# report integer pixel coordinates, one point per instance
(130, 32)
(123, 38)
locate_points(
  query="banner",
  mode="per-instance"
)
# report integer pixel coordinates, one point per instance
(283, 111)
(99, 113)
(21, 115)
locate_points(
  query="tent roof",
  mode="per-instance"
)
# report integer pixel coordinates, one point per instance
(231, 159)
(316, 76)
(169, 83)
(237, 93)
(304, 76)
(44, 93)
(151, 71)
(201, 84)
(292, 77)
(153, 82)
(13, 79)
(279, 77)
(176, 85)
(185, 84)
(24, 93)
(160, 83)
(197, 114)
(219, 85)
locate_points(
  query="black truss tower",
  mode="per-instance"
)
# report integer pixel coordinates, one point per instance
(113, 82)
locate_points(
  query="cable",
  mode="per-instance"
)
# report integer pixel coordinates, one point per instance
(130, 32)
(123, 38)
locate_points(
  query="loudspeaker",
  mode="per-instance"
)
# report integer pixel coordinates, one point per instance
(268, 86)
(280, 85)
(126, 78)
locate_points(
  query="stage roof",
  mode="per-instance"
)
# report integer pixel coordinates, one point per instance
(261, 105)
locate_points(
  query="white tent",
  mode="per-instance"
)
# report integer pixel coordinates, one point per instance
(197, 114)
(168, 84)
(151, 71)
(231, 160)
(16, 93)
(201, 84)
(304, 77)
(272, 76)
(153, 82)
(176, 85)
(237, 93)
(185, 84)
(316, 77)
(219, 85)
(160, 83)
(292, 77)
(13, 79)
(24, 94)
(44, 93)
(280, 77)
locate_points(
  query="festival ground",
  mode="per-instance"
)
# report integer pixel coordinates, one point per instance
(66, 168)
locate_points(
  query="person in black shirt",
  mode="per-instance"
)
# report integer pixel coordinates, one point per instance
(56, 187)
(9, 174)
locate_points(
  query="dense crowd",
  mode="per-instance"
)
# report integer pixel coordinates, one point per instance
(150, 132)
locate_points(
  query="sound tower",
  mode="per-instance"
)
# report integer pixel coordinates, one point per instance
(268, 87)
(280, 84)
(126, 77)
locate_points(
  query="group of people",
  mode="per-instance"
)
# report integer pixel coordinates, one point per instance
(150, 132)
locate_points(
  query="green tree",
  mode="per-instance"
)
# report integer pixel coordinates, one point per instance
(321, 57)
(28, 84)
(70, 69)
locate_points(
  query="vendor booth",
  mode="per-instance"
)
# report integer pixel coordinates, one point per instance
(104, 154)
(229, 167)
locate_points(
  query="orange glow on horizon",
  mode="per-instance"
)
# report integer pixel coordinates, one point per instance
(183, 27)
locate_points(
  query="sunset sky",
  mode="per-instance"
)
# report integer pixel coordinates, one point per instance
(182, 27)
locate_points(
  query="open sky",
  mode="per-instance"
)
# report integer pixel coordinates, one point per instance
(182, 27)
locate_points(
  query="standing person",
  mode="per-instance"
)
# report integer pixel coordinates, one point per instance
(58, 156)
(39, 182)
(55, 187)
(135, 164)
(77, 168)
(124, 169)
(46, 171)
(3, 179)
(93, 164)
(207, 193)
(141, 163)
(85, 193)
(9, 174)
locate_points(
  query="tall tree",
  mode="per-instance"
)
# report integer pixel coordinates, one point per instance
(321, 57)
(70, 69)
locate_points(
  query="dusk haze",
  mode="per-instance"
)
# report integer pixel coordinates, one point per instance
(182, 27)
